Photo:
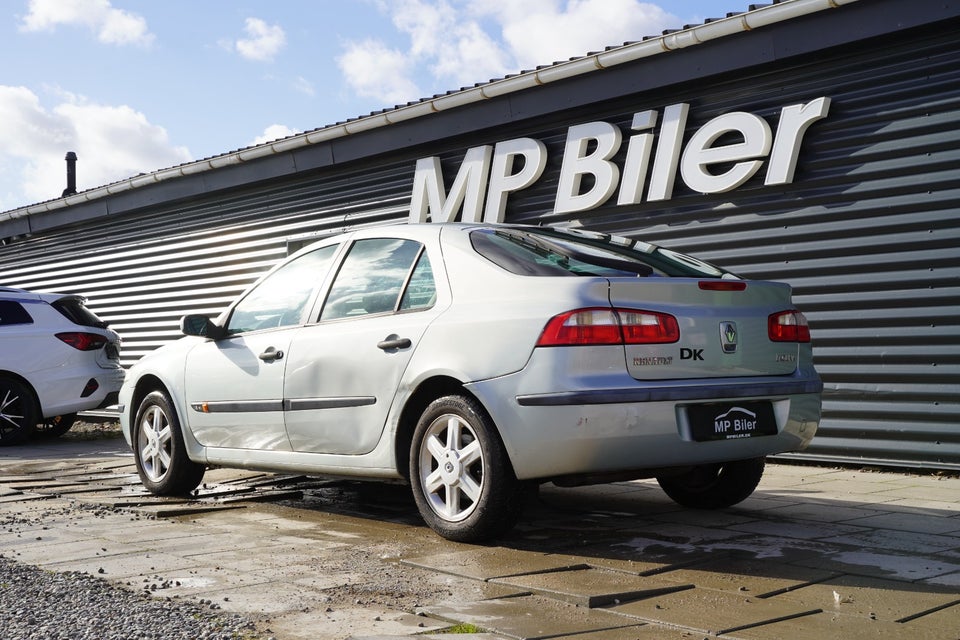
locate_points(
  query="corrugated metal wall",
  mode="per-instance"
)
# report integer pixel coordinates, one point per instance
(867, 234)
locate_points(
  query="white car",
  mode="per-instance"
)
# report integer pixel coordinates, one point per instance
(475, 361)
(56, 358)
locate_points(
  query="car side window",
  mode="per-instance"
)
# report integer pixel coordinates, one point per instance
(372, 278)
(421, 291)
(280, 299)
(13, 313)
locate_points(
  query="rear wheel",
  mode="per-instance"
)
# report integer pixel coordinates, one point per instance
(158, 448)
(462, 480)
(714, 486)
(18, 412)
(56, 426)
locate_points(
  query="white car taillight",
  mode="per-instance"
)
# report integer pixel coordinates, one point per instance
(602, 325)
(83, 341)
(788, 326)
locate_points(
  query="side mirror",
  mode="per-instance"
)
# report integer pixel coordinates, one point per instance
(201, 326)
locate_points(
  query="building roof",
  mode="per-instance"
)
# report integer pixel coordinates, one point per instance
(755, 17)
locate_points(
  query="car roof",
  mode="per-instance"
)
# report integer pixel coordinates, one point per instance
(11, 293)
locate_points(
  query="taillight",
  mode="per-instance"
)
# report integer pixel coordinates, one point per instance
(722, 285)
(648, 327)
(83, 341)
(602, 325)
(788, 326)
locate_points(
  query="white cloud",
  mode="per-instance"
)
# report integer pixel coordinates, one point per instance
(462, 42)
(551, 33)
(263, 41)
(111, 26)
(274, 132)
(375, 71)
(304, 86)
(112, 143)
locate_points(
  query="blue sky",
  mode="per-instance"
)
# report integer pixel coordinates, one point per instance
(134, 87)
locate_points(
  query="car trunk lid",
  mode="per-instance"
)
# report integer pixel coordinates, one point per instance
(723, 327)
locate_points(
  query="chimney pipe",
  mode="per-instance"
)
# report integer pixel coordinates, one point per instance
(71, 175)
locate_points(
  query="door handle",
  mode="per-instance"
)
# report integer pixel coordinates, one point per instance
(394, 342)
(271, 354)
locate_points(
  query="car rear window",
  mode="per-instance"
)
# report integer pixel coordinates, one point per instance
(76, 312)
(559, 252)
(12, 312)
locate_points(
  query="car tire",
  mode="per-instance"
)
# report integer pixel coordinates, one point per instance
(18, 412)
(56, 426)
(159, 450)
(714, 486)
(462, 480)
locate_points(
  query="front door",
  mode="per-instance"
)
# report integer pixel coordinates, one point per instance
(234, 385)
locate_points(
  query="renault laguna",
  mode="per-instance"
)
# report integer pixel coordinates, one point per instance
(476, 361)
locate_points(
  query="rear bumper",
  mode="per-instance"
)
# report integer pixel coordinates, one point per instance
(644, 427)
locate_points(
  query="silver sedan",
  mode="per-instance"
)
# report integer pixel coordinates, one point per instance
(476, 361)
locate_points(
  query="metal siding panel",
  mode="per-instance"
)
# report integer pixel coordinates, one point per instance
(142, 273)
(867, 234)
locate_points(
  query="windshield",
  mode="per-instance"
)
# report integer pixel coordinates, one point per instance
(563, 252)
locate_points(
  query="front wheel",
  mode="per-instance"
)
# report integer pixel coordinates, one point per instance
(161, 456)
(462, 480)
(18, 412)
(714, 486)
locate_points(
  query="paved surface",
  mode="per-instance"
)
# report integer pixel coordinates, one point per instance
(816, 553)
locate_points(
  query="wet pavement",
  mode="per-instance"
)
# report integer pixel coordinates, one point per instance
(816, 552)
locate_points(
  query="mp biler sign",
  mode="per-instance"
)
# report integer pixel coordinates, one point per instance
(720, 156)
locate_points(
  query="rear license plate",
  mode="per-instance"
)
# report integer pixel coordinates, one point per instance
(731, 420)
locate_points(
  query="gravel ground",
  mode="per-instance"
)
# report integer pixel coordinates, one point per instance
(45, 605)
(36, 604)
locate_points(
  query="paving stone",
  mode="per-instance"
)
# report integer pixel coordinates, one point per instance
(913, 522)
(802, 526)
(529, 617)
(593, 587)
(817, 511)
(487, 563)
(711, 611)
(798, 530)
(832, 626)
(758, 578)
(937, 624)
(883, 564)
(85, 552)
(123, 566)
(643, 631)
(896, 541)
(871, 598)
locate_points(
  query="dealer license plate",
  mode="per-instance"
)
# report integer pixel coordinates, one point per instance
(731, 420)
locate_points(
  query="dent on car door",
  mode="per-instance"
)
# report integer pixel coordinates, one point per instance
(344, 370)
(234, 385)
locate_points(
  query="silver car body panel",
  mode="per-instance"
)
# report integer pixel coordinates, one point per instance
(559, 410)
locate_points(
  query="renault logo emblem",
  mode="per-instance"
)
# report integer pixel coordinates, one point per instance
(728, 337)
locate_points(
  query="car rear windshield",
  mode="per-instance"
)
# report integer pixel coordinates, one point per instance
(562, 252)
(76, 312)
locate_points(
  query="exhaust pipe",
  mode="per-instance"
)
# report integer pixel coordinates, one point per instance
(71, 175)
